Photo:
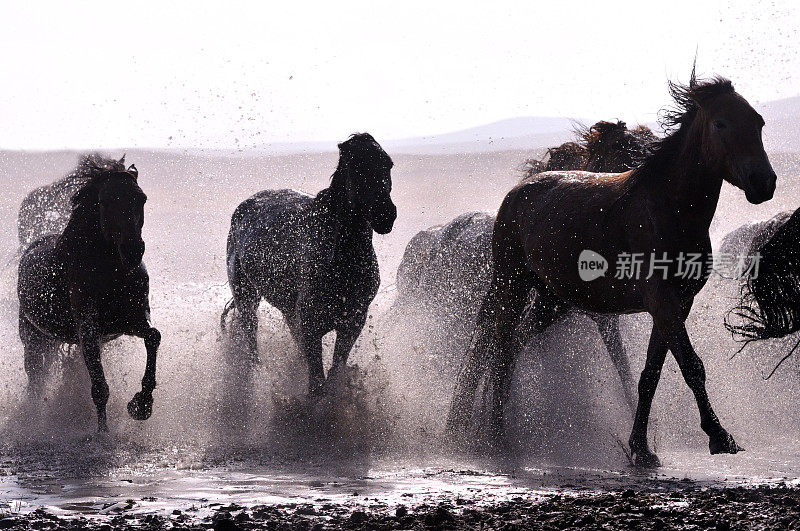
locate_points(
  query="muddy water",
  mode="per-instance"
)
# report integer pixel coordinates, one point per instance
(225, 431)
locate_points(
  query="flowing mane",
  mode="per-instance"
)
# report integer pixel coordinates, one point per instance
(675, 122)
(94, 169)
(603, 147)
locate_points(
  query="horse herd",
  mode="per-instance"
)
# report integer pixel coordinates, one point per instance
(500, 279)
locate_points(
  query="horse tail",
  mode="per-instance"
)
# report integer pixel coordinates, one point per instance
(230, 305)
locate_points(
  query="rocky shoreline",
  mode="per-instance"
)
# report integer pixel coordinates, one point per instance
(692, 507)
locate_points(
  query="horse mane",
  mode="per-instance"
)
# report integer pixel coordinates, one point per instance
(596, 139)
(556, 158)
(602, 133)
(675, 122)
(95, 169)
(769, 305)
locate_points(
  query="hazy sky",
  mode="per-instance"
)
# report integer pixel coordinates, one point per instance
(223, 74)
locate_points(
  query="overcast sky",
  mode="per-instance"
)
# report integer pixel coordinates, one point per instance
(224, 74)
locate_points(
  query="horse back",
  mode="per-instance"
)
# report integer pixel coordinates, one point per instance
(450, 261)
(265, 237)
(546, 224)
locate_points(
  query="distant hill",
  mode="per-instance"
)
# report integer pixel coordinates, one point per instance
(530, 132)
(782, 134)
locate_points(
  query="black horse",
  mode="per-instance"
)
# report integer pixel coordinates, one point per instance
(312, 257)
(88, 285)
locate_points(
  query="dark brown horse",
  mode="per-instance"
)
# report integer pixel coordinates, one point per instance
(312, 257)
(446, 270)
(656, 215)
(88, 284)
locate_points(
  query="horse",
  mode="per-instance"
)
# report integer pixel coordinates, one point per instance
(603, 147)
(312, 258)
(569, 155)
(88, 284)
(446, 270)
(46, 209)
(769, 307)
(663, 208)
(746, 241)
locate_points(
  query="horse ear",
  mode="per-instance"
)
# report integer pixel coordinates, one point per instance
(133, 171)
(122, 160)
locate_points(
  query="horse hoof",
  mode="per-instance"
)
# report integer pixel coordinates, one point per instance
(646, 459)
(723, 444)
(140, 407)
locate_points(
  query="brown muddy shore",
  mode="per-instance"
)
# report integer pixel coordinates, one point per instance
(689, 507)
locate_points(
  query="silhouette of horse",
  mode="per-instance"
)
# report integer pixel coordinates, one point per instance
(745, 241)
(603, 147)
(446, 270)
(88, 285)
(567, 156)
(770, 302)
(312, 257)
(656, 215)
(46, 210)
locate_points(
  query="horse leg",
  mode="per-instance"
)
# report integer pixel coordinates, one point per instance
(512, 285)
(39, 355)
(311, 346)
(670, 318)
(474, 366)
(608, 326)
(141, 405)
(694, 373)
(90, 346)
(246, 299)
(346, 337)
(656, 353)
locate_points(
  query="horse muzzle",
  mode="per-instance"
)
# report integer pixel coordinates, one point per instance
(758, 180)
(382, 219)
(131, 253)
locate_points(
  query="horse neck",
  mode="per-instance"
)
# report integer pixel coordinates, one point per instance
(83, 238)
(690, 185)
(352, 224)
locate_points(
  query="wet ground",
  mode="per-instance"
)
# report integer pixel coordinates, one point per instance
(103, 482)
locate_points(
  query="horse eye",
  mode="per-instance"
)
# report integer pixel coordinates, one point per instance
(718, 124)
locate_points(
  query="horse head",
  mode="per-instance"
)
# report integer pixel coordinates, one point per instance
(120, 203)
(364, 171)
(729, 131)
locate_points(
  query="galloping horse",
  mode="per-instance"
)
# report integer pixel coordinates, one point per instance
(658, 214)
(312, 257)
(88, 285)
(446, 270)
